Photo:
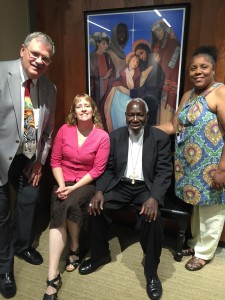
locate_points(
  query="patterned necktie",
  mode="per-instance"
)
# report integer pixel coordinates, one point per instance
(29, 137)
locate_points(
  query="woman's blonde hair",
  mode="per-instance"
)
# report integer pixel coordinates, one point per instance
(71, 118)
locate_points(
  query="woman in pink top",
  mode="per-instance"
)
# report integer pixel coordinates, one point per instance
(79, 156)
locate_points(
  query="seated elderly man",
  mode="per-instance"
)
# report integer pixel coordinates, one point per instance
(138, 172)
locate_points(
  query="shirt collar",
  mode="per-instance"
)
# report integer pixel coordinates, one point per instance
(24, 76)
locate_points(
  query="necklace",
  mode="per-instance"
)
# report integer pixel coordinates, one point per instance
(134, 163)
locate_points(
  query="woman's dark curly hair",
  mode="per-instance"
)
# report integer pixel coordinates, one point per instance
(211, 51)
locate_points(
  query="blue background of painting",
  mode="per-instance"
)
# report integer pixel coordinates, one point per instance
(139, 24)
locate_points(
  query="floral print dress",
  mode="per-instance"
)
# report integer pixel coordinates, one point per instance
(199, 143)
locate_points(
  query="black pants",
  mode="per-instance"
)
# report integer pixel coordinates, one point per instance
(22, 225)
(151, 233)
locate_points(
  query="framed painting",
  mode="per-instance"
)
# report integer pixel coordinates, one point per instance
(136, 53)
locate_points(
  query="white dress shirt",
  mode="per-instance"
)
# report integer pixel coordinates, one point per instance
(134, 161)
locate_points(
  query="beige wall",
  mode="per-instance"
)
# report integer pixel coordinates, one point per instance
(14, 26)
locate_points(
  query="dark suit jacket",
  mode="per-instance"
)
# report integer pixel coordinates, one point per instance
(156, 161)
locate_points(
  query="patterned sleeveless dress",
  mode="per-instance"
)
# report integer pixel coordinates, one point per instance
(199, 143)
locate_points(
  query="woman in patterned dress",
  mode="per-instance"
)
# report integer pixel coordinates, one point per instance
(199, 125)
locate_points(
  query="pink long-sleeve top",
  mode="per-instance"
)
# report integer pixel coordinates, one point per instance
(76, 161)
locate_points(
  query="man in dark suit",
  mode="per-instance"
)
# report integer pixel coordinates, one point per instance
(138, 172)
(21, 162)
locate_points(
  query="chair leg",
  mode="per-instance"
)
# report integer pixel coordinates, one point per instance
(182, 226)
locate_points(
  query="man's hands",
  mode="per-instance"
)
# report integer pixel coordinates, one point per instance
(96, 204)
(36, 174)
(149, 209)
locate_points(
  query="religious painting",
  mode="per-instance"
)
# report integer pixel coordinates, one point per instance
(136, 53)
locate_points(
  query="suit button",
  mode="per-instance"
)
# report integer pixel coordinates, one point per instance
(10, 158)
(17, 141)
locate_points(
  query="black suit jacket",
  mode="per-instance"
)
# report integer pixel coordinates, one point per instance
(156, 161)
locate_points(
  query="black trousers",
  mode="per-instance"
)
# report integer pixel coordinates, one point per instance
(19, 234)
(151, 233)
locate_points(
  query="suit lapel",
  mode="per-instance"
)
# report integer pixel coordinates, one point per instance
(148, 150)
(123, 150)
(41, 91)
(15, 91)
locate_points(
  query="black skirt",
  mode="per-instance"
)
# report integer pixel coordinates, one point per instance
(73, 208)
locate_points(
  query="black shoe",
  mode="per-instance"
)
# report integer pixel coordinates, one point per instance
(7, 285)
(74, 263)
(88, 266)
(55, 285)
(154, 287)
(31, 256)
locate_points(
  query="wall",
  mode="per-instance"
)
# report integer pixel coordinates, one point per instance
(14, 26)
(64, 22)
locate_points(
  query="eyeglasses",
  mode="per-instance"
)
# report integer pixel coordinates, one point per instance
(36, 55)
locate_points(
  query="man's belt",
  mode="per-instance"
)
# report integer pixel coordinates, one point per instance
(131, 181)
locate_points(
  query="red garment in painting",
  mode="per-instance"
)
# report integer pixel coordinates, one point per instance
(102, 69)
(169, 58)
(99, 65)
(123, 81)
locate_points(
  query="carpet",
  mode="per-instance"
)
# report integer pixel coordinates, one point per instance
(123, 278)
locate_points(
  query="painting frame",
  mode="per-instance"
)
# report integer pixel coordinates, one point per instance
(143, 26)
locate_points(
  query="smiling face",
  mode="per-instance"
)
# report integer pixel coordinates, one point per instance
(201, 71)
(136, 116)
(35, 67)
(83, 110)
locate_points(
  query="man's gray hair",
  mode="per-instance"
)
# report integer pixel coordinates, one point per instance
(42, 37)
(139, 100)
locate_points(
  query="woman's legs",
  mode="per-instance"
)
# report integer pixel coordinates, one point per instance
(74, 231)
(207, 226)
(57, 242)
(211, 221)
(195, 227)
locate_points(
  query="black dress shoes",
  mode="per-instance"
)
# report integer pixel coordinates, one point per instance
(154, 287)
(88, 266)
(31, 256)
(7, 285)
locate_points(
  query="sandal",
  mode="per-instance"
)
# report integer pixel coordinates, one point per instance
(74, 263)
(196, 263)
(188, 252)
(56, 286)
